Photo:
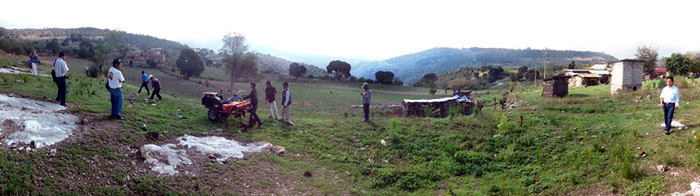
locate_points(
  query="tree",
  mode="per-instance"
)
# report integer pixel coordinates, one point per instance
(571, 65)
(458, 83)
(339, 68)
(296, 70)
(236, 59)
(189, 63)
(429, 78)
(694, 62)
(678, 64)
(384, 77)
(153, 62)
(65, 42)
(648, 55)
(53, 46)
(86, 50)
(124, 50)
(522, 69)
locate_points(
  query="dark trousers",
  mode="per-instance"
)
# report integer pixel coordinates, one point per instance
(365, 108)
(669, 108)
(156, 92)
(145, 84)
(61, 95)
(254, 116)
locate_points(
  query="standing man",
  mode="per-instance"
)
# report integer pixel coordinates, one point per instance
(253, 96)
(144, 83)
(115, 80)
(366, 99)
(670, 101)
(60, 69)
(270, 94)
(34, 62)
(155, 83)
(286, 101)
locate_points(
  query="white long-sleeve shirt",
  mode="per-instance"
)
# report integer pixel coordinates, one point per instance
(287, 98)
(671, 95)
(60, 67)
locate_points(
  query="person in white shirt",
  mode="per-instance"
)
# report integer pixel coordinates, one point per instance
(59, 71)
(670, 101)
(115, 80)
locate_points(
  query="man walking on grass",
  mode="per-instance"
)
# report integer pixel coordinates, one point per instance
(34, 62)
(155, 83)
(253, 96)
(60, 70)
(366, 100)
(115, 80)
(270, 94)
(144, 83)
(286, 102)
(670, 101)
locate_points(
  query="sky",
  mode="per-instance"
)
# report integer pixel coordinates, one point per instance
(376, 29)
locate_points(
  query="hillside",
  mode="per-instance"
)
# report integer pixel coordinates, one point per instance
(410, 68)
(143, 42)
(266, 62)
(272, 64)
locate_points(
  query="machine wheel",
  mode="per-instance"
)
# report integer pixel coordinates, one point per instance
(213, 114)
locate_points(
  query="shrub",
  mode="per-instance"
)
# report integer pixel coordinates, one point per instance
(93, 71)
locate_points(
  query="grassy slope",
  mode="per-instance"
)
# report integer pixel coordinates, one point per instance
(582, 144)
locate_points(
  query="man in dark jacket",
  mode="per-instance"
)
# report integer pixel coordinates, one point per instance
(253, 96)
(34, 62)
(155, 83)
(270, 94)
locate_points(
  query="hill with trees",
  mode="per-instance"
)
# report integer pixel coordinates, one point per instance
(411, 67)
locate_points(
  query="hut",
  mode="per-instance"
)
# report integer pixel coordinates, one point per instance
(627, 75)
(556, 86)
(440, 107)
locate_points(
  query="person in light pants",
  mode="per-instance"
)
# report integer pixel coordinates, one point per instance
(670, 101)
(35, 62)
(270, 94)
(286, 102)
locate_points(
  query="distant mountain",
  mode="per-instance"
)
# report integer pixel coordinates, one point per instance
(319, 61)
(410, 68)
(143, 42)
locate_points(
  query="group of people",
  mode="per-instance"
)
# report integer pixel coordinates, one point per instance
(270, 95)
(115, 78)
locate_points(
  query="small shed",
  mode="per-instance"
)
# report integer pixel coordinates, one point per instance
(441, 106)
(556, 86)
(627, 75)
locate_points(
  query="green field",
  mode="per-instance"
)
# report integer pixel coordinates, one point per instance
(584, 144)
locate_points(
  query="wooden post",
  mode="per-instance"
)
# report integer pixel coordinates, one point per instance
(521, 121)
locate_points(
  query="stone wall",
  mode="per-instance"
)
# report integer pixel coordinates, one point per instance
(627, 75)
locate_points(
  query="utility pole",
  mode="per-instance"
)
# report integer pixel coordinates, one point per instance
(545, 63)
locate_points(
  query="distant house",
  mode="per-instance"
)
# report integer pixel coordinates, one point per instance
(602, 66)
(584, 77)
(627, 75)
(556, 86)
(153, 53)
(659, 73)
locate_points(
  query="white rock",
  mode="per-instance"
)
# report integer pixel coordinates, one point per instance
(694, 190)
(40, 121)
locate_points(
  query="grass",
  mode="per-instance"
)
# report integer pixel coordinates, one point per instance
(584, 142)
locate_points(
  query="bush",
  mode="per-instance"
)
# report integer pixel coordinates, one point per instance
(93, 71)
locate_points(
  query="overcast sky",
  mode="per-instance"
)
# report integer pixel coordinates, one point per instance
(382, 29)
